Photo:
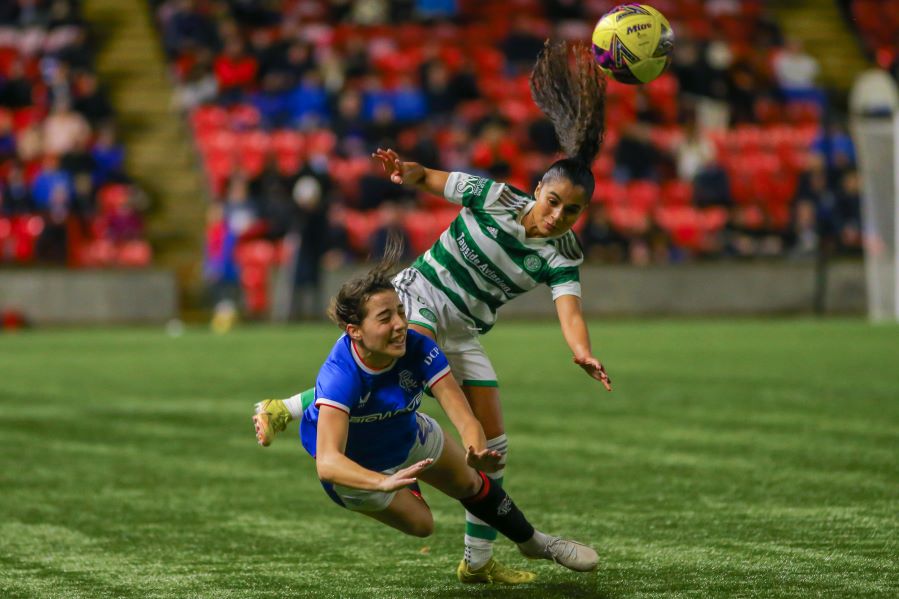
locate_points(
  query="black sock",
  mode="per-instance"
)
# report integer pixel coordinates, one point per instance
(492, 505)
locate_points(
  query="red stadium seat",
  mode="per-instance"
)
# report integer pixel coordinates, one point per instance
(642, 195)
(677, 193)
(135, 253)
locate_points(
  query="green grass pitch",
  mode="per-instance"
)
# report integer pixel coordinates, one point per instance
(734, 459)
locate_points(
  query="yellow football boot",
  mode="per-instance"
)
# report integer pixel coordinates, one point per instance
(271, 418)
(493, 572)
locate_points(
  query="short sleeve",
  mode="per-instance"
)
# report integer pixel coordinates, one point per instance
(564, 281)
(467, 190)
(433, 362)
(337, 388)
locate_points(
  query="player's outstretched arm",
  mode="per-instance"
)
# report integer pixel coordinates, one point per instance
(454, 403)
(334, 467)
(574, 329)
(411, 173)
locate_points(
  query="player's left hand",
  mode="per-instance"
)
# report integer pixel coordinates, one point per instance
(486, 460)
(595, 369)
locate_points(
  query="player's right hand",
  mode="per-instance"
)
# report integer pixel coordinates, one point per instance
(486, 460)
(410, 173)
(405, 477)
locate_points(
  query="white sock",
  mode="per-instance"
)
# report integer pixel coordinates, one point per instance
(536, 545)
(294, 405)
(477, 551)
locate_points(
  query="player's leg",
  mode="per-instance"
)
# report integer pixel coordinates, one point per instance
(407, 513)
(272, 415)
(480, 386)
(451, 475)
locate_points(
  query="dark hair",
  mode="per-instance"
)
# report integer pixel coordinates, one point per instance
(572, 94)
(348, 307)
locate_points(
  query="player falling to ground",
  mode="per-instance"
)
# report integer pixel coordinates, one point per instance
(503, 243)
(371, 444)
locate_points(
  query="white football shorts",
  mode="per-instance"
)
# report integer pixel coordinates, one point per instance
(428, 444)
(455, 333)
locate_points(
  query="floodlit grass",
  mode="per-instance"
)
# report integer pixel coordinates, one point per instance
(734, 459)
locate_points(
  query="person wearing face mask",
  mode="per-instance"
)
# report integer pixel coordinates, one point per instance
(504, 242)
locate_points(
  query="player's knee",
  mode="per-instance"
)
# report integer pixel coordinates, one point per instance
(421, 528)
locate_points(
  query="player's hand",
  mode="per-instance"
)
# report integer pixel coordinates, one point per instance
(410, 173)
(486, 460)
(595, 369)
(405, 477)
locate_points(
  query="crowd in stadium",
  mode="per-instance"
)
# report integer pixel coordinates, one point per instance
(734, 152)
(64, 194)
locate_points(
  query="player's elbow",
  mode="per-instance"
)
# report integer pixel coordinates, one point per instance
(325, 468)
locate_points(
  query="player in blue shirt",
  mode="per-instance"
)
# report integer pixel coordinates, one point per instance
(371, 444)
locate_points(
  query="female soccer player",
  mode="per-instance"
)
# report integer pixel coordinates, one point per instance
(371, 444)
(503, 243)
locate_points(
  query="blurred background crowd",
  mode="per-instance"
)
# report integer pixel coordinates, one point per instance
(736, 152)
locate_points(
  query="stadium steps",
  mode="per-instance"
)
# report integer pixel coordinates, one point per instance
(159, 150)
(823, 30)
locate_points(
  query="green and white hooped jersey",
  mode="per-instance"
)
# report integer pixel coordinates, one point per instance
(484, 259)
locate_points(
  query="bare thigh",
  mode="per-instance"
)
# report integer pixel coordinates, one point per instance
(451, 474)
(484, 401)
(406, 513)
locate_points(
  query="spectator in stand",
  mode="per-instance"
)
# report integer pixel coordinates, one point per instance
(15, 88)
(185, 27)
(804, 229)
(309, 228)
(692, 152)
(63, 129)
(522, 45)
(235, 71)
(44, 188)
(15, 196)
(220, 269)
(796, 72)
(7, 137)
(76, 54)
(375, 190)
(199, 85)
(123, 223)
(348, 121)
(711, 186)
(635, 156)
(80, 164)
(273, 101)
(241, 213)
(599, 238)
(90, 101)
(52, 243)
(743, 92)
(109, 157)
(848, 213)
(337, 241)
(836, 148)
(309, 100)
(408, 101)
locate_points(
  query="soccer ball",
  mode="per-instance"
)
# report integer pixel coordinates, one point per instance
(632, 43)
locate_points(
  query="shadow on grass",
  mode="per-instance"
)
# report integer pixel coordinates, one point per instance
(547, 590)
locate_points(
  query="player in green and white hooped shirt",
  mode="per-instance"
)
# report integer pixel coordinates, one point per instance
(503, 243)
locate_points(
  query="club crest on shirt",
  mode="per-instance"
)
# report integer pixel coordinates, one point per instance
(407, 380)
(532, 262)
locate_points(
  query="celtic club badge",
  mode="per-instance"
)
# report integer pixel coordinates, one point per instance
(532, 263)
(428, 314)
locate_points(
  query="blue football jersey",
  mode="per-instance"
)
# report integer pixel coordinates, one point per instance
(381, 403)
